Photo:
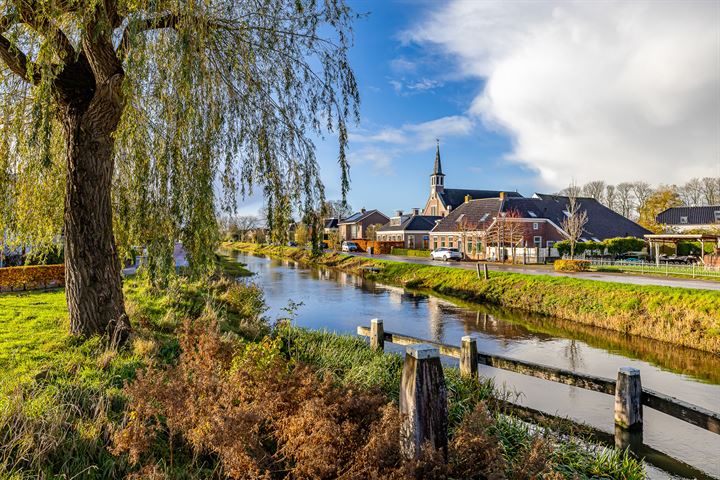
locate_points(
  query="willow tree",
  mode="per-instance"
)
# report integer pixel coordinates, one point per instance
(154, 114)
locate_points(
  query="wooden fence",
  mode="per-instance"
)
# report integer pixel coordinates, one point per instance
(629, 395)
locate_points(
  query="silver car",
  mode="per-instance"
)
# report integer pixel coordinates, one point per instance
(445, 254)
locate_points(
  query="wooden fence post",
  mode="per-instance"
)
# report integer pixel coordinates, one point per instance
(423, 402)
(628, 398)
(377, 335)
(485, 269)
(477, 267)
(468, 356)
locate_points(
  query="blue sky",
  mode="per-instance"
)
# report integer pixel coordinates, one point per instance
(528, 96)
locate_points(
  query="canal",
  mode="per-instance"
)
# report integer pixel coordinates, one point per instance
(337, 301)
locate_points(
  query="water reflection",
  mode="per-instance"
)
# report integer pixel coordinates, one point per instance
(340, 301)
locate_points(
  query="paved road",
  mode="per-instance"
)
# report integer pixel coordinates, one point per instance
(547, 270)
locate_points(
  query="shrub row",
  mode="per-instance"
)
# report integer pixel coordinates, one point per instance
(31, 277)
(572, 265)
(409, 252)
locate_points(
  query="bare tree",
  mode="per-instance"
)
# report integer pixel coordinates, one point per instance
(711, 190)
(514, 230)
(610, 197)
(468, 233)
(642, 191)
(336, 209)
(594, 189)
(574, 222)
(692, 193)
(625, 199)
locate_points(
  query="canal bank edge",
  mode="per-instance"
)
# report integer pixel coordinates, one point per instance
(684, 317)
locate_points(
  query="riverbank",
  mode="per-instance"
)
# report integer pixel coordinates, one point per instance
(683, 317)
(71, 406)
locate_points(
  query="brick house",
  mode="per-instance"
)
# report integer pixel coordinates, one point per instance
(497, 227)
(412, 229)
(355, 227)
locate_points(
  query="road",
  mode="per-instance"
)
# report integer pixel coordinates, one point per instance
(547, 270)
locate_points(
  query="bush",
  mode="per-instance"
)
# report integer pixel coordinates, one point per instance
(572, 265)
(409, 252)
(620, 245)
(32, 277)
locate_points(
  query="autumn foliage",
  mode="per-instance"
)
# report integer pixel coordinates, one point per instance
(569, 265)
(261, 415)
(31, 277)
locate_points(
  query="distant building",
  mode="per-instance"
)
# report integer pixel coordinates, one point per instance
(412, 229)
(519, 222)
(355, 227)
(443, 200)
(330, 227)
(684, 219)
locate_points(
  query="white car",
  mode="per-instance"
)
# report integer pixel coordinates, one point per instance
(350, 247)
(445, 254)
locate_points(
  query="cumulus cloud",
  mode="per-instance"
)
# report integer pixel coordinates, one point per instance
(612, 90)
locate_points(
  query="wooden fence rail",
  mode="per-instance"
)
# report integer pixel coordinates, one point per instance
(674, 407)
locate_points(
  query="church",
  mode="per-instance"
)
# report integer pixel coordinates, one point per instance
(443, 200)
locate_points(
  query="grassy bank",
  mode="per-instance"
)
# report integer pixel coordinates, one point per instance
(679, 316)
(186, 398)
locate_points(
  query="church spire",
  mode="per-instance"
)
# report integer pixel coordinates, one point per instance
(437, 181)
(438, 164)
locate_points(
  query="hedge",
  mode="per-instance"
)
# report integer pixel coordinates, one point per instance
(31, 277)
(572, 265)
(409, 253)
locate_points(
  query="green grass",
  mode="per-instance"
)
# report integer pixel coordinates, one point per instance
(680, 316)
(61, 397)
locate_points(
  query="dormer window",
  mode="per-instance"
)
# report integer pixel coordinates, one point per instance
(683, 220)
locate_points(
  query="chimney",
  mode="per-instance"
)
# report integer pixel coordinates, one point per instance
(416, 211)
(468, 198)
(362, 210)
(398, 213)
(449, 208)
(502, 195)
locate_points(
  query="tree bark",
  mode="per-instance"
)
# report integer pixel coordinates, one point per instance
(93, 285)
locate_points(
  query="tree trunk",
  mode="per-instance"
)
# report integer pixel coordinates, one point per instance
(93, 285)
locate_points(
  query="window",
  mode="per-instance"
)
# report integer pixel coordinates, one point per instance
(435, 243)
(537, 241)
(451, 242)
(536, 225)
(532, 214)
(717, 216)
(484, 217)
(683, 219)
(442, 241)
(433, 210)
(550, 244)
(411, 241)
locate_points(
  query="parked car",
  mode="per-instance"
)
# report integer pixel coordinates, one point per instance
(350, 247)
(445, 254)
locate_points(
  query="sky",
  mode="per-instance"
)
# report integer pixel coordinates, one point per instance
(528, 96)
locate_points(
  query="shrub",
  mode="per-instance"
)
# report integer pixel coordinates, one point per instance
(620, 245)
(31, 277)
(572, 265)
(409, 252)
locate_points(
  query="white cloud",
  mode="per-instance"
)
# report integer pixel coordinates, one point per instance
(612, 90)
(381, 147)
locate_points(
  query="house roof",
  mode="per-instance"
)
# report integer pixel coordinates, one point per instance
(602, 222)
(695, 215)
(454, 197)
(474, 212)
(331, 223)
(412, 223)
(360, 216)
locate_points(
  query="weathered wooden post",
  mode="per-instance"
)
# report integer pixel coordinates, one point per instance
(468, 356)
(630, 439)
(377, 334)
(477, 267)
(628, 398)
(485, 269)
(423, 402)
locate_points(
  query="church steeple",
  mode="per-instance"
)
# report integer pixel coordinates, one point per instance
(437, 178)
